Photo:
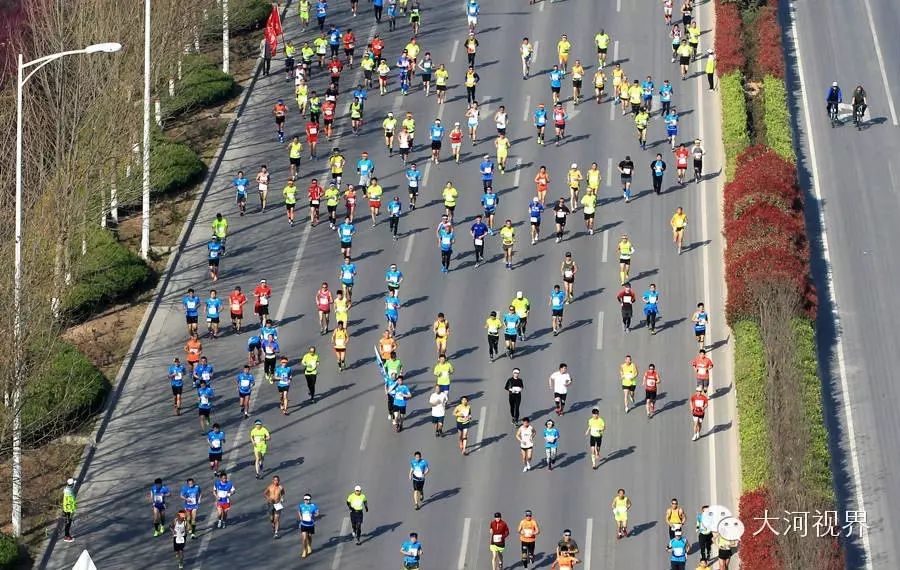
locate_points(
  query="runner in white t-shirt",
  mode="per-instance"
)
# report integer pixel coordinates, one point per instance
(525, 436)
(559, 383)
(438, 403)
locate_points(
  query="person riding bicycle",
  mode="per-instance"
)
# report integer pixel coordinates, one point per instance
(833, 98)
(859, 101)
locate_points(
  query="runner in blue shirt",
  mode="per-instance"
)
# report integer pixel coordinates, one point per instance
(191, 495)
(651, 307)
(365, 168)
(557, 304)
(418, 469)
(437, 134)
(401, 393)
(446, 238)
(511, 330)
(321, 14)
(535, 209)
(203, 371)
(345, 233)
(334, 40)
(394, 209)
(540, 122)
(677, 549)
(700, 319)
(268, 329)
(647, 87)
(487, 172)
(671, 119)
(215, 439)
(241, 183)
(245, 382)
(556, 77)
(254, 350)
(307, 512)
(270, 349)
(223, 490)
(393, 277)
(551, 443)
(392, 310)
(347, 275)
(413, 181)
(191, 304)
(177, 372)
(362, 94)
(490, 201)
(412, 552)
(283, 377)
(213, 310)
(158, 494)
(214, 253)
(204, 404)
(478, 230)
(665, 96)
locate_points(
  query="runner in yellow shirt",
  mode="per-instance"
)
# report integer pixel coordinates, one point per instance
(508, 240)
(625, 250)
(589, 204)
(339, 340)
(595, 429)
(574, 178)
(599, 84)
(602, 41)
(259, 437)
(441, 77)
(502, 143)
(679, 224)
(450, 194)
(628, 372)
(441, 329)
(577, 78)
(563, 47)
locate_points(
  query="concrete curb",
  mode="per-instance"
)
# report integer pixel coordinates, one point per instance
(42, 556)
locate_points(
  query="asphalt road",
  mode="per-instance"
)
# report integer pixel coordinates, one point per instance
(857, 179)
(344, 438)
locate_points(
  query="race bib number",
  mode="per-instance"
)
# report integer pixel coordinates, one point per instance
(479, 241)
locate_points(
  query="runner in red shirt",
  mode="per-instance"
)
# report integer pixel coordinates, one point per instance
(699, 402)
(377, 47)
(456, 136)
(324, 300)
(681, 162)
(498, 530)
(334, 69)
(315, 197)
(236, 302)
(262, 295)
(312, 137)
(349, 41)
(559, 122)
(651, 385)
(328, 110)
(702, 366)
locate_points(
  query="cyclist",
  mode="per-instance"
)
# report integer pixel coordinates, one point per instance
(832, 99)
(528, 533)
(859, 102)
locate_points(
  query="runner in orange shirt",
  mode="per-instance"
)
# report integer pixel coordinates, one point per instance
(702, 366)
(699, 402)
(193, 348)
(542, 181)
(528, 533)
(324, 299)
(386, 345)
(236, 302)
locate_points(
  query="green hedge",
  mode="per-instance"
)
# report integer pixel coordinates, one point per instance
(10, 552)
(777, 118)
(203, 84)
(817, 467)
(734, 119)
(247, 15)
(173, 166)
(63, 392)
(106, 273)
(750, 381)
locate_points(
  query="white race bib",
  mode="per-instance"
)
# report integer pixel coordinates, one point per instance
(479, 241)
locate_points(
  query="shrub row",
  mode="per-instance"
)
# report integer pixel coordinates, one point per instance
(777, 118)
(729, 51)
(769, 53)
(248, 15)
(749, 382)
(735, 136)
(173, 166)
(759, 550)
(202, 84)
(108, 272)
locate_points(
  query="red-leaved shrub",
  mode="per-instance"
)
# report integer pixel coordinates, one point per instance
(761, 176)
(758, 551)
(769, 55)
(729, 50)
(763, 224)
(746, 274)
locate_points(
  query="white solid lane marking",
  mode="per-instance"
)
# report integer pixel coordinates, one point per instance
(618, 5)
(454, 50)
(527, 112)
(339, 549)
(600, 330)
(541, 7)
(536, 42)
(884, 79)
(615, 51)
(367, 428)
(295, 268)
(612, 110)
(605, 252)
(518, 172)
(482, 422)
(426, 172)
(609, 172)
(832, 294)
(588, 537)
(464, 547)
(409, 243)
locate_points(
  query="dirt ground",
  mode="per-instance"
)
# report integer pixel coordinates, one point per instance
(106, 338)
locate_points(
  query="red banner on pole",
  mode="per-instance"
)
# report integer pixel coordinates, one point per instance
(273, 30)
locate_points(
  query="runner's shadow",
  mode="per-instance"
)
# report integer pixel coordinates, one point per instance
(639, 528)
(618, 454)
(380, 530)
(369, 254)
(670, 324)
(696, 245)
(486, 442)
(414, 301)
(671, 404)
(441, 495)
(414, 331)
(462, 352)
(570, 459)
(530, 349)
(290, 463)
(362, 331)
(583, 404)
(720, 392)
(528, 260)
(718, 428)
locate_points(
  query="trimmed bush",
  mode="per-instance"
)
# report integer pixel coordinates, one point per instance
(202, 85)
(742, 193)
(762, 176)
(107, 273)
(729, 51)
(762, 225)
(745, 274)
(63, 392)
(749, 384)
(734, 120)
(10, 551)
(816, 468)
(769, 55)
(247, 15)
(777, 118)
(173, 166)
(758, 551)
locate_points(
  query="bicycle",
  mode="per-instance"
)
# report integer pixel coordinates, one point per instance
(858, 112)
(833, 113)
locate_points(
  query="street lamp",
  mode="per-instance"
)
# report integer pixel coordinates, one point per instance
(16, 403)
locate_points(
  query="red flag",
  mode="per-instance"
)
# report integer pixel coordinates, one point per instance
(273, 29)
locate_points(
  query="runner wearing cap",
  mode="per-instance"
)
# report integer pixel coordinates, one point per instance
(528, 533)
(307, 512)
(456, 136)
(574, 178)
(357, 503)
(498, 531)
(259, 437)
